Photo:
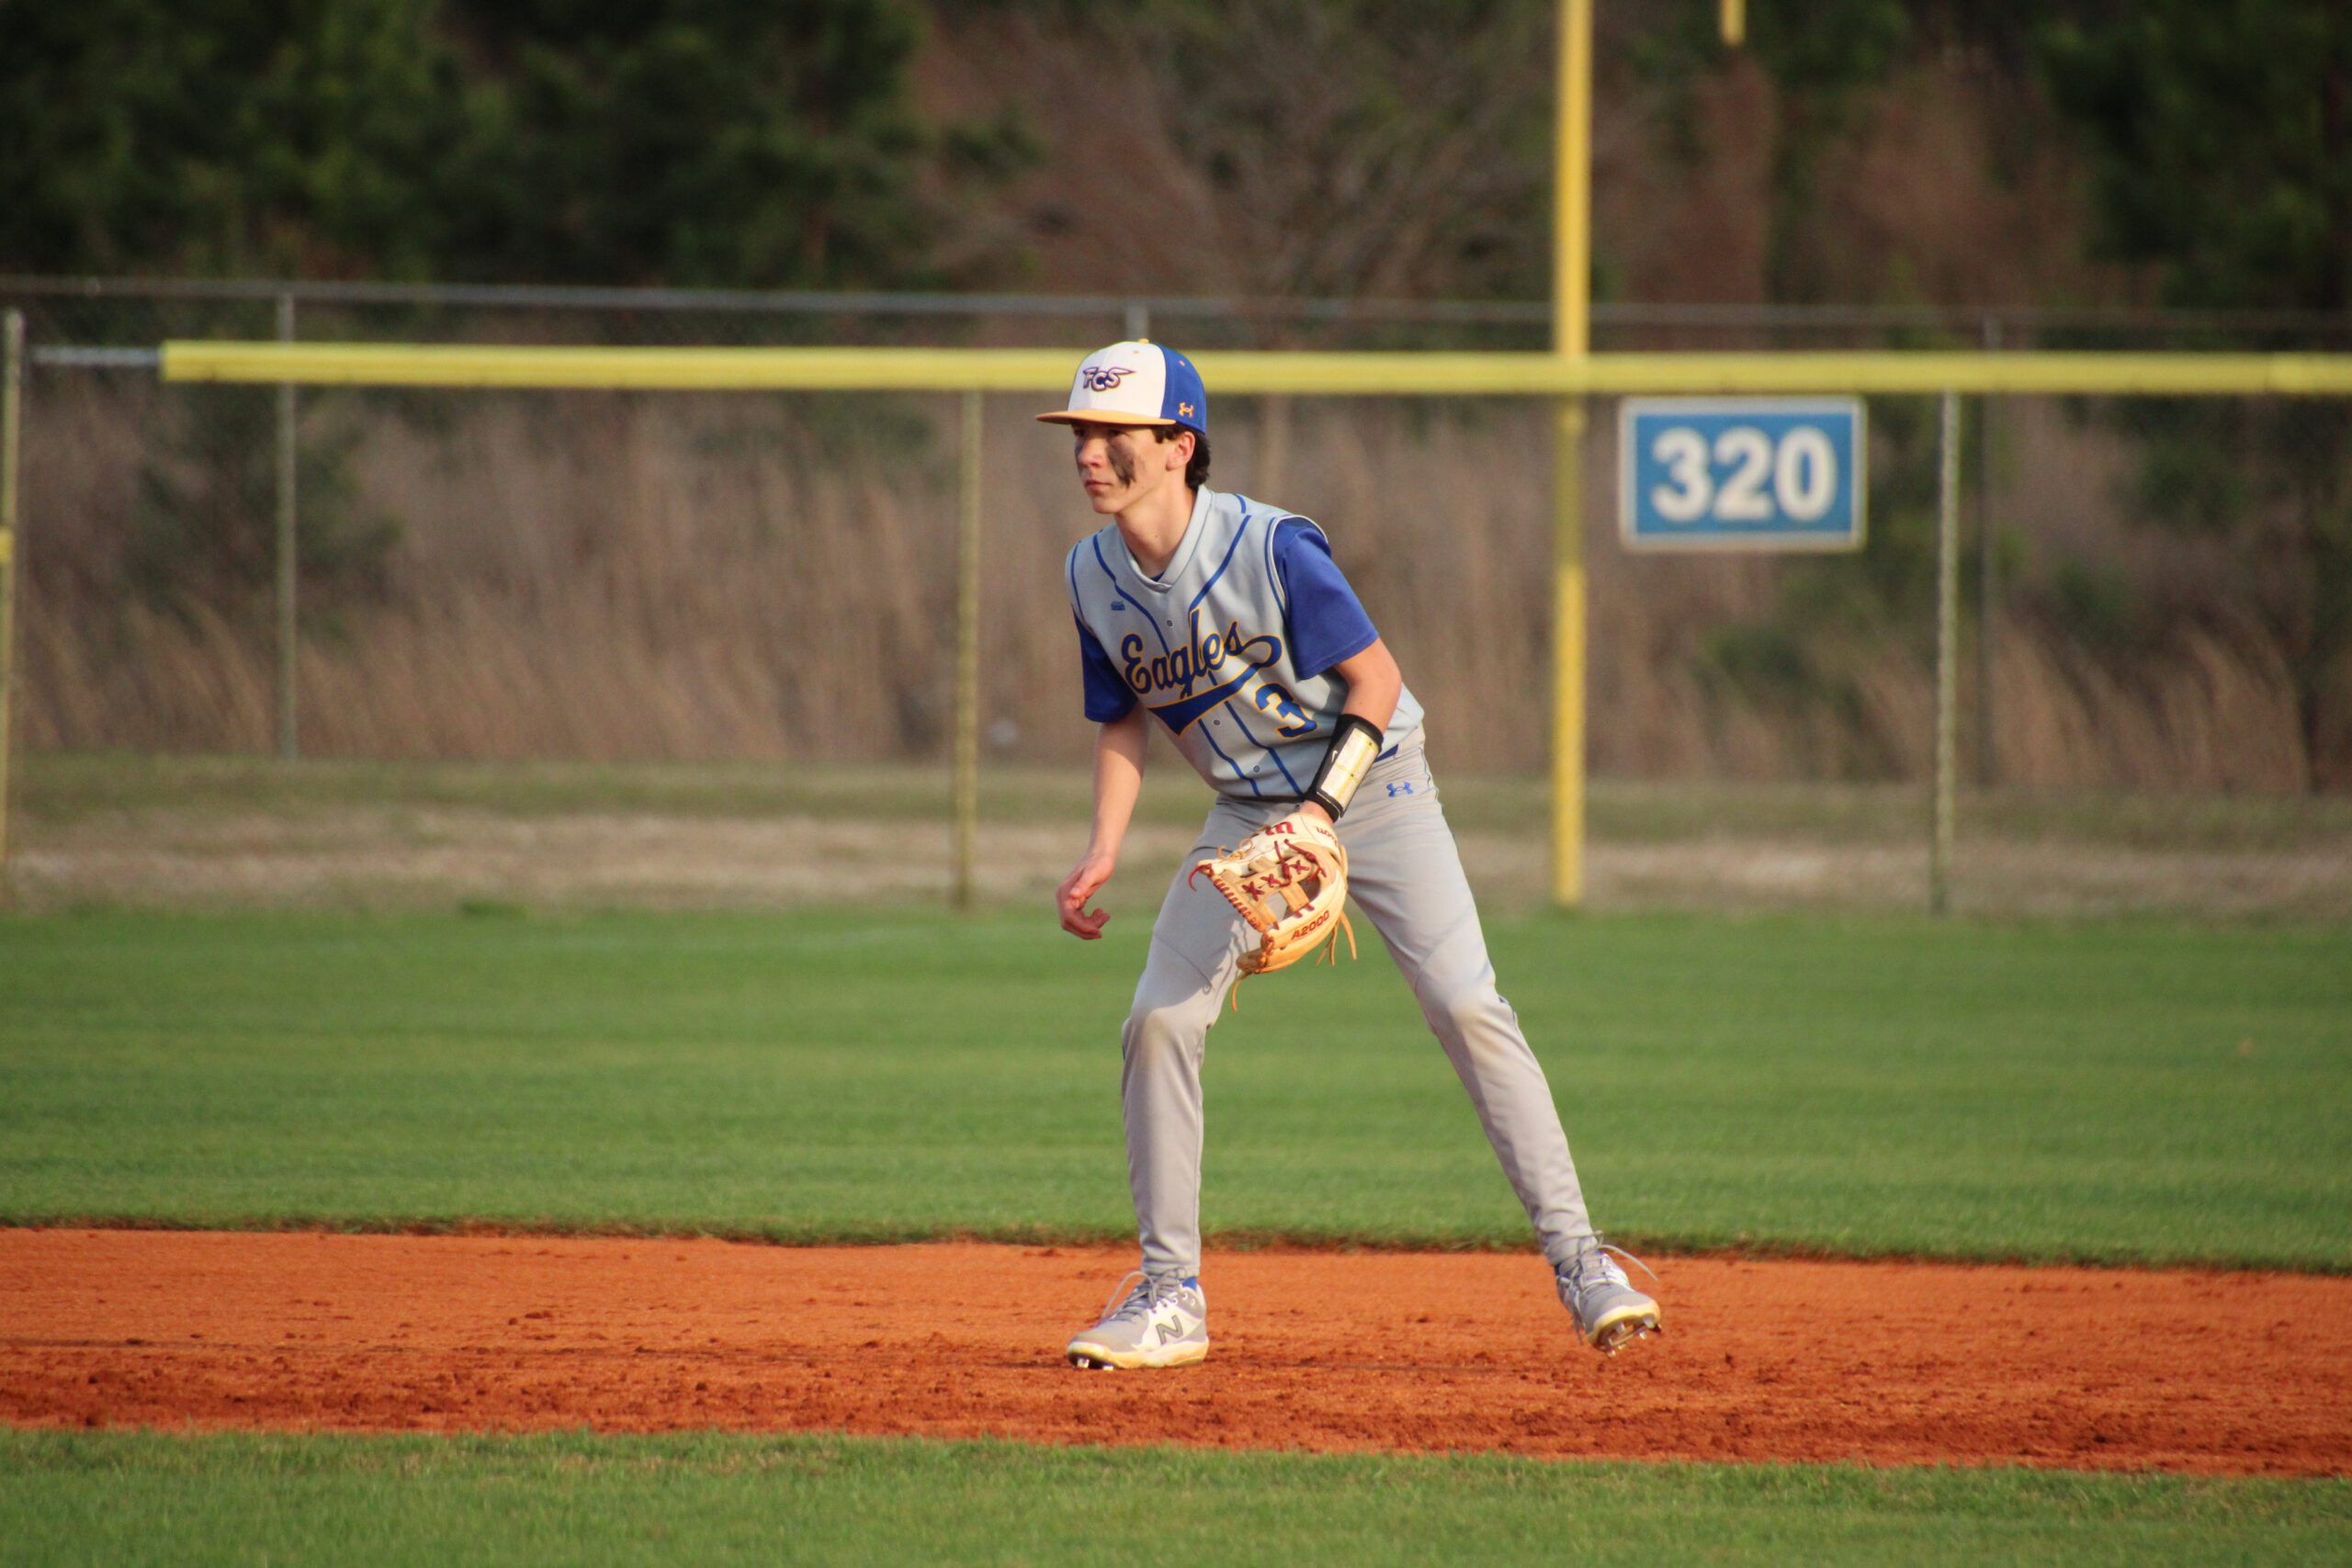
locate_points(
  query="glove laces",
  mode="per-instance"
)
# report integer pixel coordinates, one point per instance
(1330, 955)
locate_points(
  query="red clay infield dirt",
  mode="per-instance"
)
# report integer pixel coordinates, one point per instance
(2086, 1368)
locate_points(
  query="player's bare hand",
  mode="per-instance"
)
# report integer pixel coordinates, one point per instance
(1084, 881)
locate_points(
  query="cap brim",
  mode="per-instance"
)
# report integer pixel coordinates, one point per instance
(1100, 416)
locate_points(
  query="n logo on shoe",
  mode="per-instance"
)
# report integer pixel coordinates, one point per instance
(1169, 1331)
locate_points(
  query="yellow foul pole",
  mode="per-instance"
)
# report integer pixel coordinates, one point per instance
(1572, 337)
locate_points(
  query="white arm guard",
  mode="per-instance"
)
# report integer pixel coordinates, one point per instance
(1354, 751)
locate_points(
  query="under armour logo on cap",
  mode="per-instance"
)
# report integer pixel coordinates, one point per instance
(1137, 382)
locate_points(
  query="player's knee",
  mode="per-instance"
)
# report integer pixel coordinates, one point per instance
(1466, 1012)
(1160, 1028)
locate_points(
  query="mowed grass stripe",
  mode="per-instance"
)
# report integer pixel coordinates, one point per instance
(146, 1497)
(2109, 1092)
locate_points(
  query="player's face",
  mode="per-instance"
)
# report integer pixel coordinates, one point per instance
(1121, 464)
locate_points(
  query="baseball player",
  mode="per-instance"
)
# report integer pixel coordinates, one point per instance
(1225, 620)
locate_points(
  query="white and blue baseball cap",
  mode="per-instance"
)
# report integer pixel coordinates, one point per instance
(1139, 382)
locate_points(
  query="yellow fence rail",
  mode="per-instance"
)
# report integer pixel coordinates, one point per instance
(1047, 371)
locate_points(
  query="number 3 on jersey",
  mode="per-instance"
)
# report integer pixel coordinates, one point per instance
(1290, 719)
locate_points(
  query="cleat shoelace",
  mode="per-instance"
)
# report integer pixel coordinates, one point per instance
(1126, 1304)
(1595, 1261)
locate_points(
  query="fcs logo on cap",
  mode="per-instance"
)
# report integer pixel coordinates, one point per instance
(1135, 382)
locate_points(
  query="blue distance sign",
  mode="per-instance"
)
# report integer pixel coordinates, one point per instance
(1741, 473)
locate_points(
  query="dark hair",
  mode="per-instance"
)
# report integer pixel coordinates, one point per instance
(1196, 471)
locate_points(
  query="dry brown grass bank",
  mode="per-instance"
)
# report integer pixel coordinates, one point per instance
(700, 577)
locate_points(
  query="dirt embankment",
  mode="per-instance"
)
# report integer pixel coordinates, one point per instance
(2216, 1373)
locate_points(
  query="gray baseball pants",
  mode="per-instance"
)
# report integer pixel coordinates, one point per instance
(1405, 874)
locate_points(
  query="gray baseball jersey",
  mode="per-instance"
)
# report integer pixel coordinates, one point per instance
(1231, 648)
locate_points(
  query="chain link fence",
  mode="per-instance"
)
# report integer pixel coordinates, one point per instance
(368, 573)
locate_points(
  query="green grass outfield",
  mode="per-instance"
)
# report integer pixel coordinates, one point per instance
(2114, 1092)
(133, 1498)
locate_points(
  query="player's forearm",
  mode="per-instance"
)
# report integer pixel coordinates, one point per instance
(1374, 684)
(1118, 780)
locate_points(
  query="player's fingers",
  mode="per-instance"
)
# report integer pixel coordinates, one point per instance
(1069, 903)
(1084, 881)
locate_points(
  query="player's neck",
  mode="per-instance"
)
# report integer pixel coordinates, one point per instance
(1154, 526)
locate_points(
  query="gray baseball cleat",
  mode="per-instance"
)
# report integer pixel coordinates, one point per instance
(1609, 1312)
(1163, 1322)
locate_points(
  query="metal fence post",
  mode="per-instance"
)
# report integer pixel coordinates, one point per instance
(289, 626)
(11, 399)
(1987, 594)
(967, 653)
(1947, 662)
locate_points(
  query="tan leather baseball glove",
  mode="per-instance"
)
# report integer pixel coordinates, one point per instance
(1289, 879)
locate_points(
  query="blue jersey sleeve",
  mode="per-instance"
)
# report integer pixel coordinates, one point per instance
(1108, 699)
(1327, 623)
